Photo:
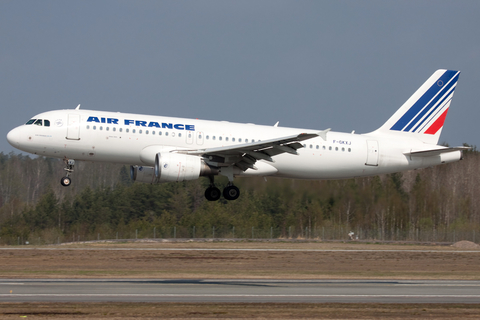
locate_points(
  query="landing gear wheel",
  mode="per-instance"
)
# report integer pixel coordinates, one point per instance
(231, 193)
(212, 193)
(66, 181)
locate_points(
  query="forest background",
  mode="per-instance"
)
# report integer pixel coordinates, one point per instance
(434, 204)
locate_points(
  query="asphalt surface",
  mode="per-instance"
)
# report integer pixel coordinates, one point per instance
(239, 290)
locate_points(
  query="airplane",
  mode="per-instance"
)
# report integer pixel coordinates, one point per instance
(166, 149)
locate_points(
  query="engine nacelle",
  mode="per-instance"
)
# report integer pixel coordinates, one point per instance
(143, 174)
(180, 167)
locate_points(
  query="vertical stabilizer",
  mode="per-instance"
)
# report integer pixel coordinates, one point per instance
(423, 114)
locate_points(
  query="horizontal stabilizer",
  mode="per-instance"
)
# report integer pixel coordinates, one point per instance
(434, 152)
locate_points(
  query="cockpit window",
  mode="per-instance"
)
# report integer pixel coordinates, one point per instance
(39, 122)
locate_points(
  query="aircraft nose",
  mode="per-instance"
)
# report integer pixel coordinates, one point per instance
(13, 137)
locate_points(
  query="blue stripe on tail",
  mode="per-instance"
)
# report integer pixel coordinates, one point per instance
(420, 108)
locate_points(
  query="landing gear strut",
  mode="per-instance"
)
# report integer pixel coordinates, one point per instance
(66, 181)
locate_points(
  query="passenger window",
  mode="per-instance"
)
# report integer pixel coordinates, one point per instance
(220, 138)
(127, 130)
(107, 128)
(233, 139)
(146, 132)
(120, 129)
(166, 133)
(180, 135)
(246, 140)
(46, 123)
(240, 140)
(88, 127)
(140, 131)
(94, 127)
(114, 129)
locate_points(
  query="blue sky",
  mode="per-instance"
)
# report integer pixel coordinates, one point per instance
(345, 65)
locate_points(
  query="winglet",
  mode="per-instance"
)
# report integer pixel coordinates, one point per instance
(323, 134)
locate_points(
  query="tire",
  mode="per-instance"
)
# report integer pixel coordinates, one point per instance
(212, 193)
(231, 193)
(66, 181)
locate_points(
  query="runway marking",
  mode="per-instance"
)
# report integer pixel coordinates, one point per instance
(248, 249)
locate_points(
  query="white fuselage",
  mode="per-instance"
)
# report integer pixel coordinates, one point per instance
(134, 139)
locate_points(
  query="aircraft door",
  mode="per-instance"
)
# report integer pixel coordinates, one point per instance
(199, 138)
(372, 153)
(73, 127)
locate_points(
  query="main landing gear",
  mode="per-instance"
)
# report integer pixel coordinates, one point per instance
(66, 181)
(213, 193)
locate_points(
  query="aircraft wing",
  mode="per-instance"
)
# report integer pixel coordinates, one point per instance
(245, 155)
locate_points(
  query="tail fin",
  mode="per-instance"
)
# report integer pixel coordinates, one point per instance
(423, 114)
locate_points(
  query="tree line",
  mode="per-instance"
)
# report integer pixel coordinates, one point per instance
(103, 200)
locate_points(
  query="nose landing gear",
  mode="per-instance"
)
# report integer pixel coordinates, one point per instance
(66, 181)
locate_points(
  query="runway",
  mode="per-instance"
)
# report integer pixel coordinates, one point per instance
(239, 290)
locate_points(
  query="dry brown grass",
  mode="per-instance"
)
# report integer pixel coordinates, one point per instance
(60, 311)
(100, 261)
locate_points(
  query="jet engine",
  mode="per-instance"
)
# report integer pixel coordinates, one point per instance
(180, 167)
(172, 167)
(143, 174)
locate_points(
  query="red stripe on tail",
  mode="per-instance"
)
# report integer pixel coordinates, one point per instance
(438, 124)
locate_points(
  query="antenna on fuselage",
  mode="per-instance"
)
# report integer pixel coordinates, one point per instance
(276, 124)
(78, 107)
